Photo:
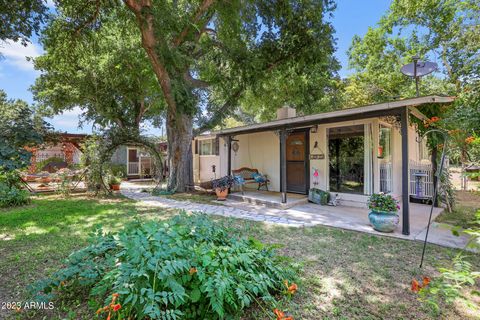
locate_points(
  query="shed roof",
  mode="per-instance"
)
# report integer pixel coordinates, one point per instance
(373, 110)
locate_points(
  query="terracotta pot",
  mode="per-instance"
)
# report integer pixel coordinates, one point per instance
(221, 195)
(115, 187)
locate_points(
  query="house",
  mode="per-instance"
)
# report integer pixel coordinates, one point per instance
(66, 151)
(351, 153)
(137, 161)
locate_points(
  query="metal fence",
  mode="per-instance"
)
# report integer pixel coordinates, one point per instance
(421, 180)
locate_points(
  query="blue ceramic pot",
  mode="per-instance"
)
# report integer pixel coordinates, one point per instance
(383, 221)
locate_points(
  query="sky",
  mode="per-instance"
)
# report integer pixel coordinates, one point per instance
(17, 74)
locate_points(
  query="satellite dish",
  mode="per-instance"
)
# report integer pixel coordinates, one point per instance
(418, 69)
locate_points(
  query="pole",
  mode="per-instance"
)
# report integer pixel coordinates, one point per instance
(435, 190)
(415, 60)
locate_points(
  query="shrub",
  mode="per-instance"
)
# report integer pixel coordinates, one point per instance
(119, 170)
(187, 267)
(12, 196)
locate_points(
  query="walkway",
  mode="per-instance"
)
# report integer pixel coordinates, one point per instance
(299, 216)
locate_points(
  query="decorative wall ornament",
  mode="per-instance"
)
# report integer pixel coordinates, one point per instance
(316, 153)
(235, 147)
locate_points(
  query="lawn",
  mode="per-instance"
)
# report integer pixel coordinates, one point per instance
(346, 275)
(468, 203)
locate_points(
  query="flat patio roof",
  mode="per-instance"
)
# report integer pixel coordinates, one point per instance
(374, 110)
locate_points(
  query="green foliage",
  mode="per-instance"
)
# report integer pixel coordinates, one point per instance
(223, 183)
(20, 19)
(19, 128)
(187, 267)
(382, 203)
(119, 170)
(11, 194)
(454, 280)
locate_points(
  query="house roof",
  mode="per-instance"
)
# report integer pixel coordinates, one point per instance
(373, 110)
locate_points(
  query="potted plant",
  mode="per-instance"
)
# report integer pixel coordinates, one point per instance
(383, 215)
(221, 186)
(114, 183)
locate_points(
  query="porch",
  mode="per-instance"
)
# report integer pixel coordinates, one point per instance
(341, 216)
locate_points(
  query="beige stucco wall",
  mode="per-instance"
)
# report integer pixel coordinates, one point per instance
(260, 151)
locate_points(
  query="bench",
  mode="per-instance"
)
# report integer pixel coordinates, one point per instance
(246, 174)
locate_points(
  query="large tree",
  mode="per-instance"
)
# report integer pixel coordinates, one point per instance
(20, 128)
(104, 72)
(208, 56)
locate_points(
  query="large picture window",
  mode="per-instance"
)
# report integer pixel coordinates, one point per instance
(346, 151)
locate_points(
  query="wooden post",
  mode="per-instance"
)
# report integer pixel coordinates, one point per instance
(405, 173)
(229, 160)
(283, 165)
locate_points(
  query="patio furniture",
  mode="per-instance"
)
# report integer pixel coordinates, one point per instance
(251, 175)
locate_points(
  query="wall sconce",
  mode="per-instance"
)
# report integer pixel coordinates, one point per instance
(314, 129)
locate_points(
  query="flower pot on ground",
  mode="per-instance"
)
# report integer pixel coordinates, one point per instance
(114, 183)
(221, 186)
(383, 215)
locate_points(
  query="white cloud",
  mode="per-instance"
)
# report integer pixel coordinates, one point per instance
(68, 120)
(16, 54)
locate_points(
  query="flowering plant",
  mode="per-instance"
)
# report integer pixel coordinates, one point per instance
(381, 202)
(223, 183)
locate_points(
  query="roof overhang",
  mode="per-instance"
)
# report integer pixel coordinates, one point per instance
(369, 111)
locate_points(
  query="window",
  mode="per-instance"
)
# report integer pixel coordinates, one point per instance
(208, 147)
(385, 158)
(346, 152)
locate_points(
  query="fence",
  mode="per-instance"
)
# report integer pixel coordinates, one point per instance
(421, 180)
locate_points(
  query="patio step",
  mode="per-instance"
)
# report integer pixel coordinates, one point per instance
(263, 200)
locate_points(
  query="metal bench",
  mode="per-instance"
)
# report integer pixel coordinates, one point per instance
(246, 174)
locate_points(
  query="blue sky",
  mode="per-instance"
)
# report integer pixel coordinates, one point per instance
(17, 74)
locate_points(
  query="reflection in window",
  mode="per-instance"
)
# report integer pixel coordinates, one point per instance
(385, 158)
(346, 153)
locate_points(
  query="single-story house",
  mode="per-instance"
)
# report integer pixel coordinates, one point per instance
(351, 152)
(67, 151)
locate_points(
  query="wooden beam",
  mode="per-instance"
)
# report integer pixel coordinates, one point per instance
(405, 173)
(283, 165)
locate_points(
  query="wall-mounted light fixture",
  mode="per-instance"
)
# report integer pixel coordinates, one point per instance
(314, 129)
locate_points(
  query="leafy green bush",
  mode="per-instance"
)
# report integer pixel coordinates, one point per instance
(187, 267)
(119, 170)
(12, 196)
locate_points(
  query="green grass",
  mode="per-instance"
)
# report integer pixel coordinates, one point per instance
(468, 203)
(346, 275)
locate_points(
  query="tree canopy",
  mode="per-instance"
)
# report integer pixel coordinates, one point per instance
(104, 72)
(19, 128)
(210, 57)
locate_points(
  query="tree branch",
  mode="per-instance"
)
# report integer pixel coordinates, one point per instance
(198, 14)
(197, 83)
(91, 20)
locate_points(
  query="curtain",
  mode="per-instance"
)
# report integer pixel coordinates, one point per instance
(368, 165)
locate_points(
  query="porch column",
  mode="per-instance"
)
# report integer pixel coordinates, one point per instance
(405, 173)
(283, 165)
(229, 157)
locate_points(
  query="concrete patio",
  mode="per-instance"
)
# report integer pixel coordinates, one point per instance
(304, 214)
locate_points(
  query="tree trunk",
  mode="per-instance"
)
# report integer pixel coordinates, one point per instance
(180, 162)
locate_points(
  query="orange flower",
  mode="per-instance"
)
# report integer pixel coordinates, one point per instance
(99, 311)
(434, 119)
(426, 281)
(291, 289)
(281, 315)
(117, 307)
(415, 285)
(470, 139)
(193, 270)
(115, 295)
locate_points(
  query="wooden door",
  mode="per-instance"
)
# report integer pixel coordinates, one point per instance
(297, 162)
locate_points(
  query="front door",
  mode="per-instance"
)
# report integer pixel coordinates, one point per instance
(297, 162)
